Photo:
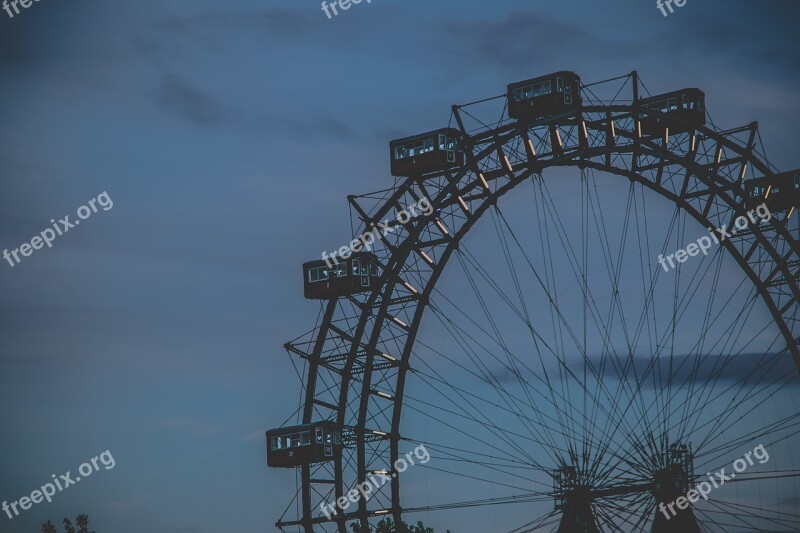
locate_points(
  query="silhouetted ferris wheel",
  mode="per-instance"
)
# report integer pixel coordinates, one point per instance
(530, 332)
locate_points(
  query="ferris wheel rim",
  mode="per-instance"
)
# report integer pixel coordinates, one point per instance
(580, 159)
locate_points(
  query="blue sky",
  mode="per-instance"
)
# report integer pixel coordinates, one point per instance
(228, 136)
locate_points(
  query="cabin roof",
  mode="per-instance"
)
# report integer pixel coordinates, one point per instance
(423, 135)
(295, 429)
(320, 262)
(767, 179)
(672, 93)
(564, 73)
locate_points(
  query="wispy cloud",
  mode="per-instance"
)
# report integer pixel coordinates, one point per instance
(516, 41)
(177, 97)
(274, 21)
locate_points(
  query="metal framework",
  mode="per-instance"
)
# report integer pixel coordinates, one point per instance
(359, 356)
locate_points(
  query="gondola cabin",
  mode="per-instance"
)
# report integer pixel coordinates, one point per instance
(680, 111)
(335, 276)
(434, 151)
(544, 96)
(303, 445)
(779, 193)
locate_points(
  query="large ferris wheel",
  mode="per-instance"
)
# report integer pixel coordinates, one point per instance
(596, 314)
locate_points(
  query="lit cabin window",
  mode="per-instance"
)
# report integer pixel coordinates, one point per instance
(333, 437)
(317, 274)
(672, 105)
(560, 84)
(533, 91)
(685, 101)
(428, 147)
(414, 148)
(339, 271)
(665, 106)
(442, 142)
(291, 441)
(360, 268)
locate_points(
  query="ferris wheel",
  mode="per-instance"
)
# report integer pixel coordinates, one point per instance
(581, 300)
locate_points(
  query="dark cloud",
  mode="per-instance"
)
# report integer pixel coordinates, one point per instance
(746, 368)
(767, 47)
(29, 41)
(516, 41)
(321, 128)
(274, 21)
(175, 96)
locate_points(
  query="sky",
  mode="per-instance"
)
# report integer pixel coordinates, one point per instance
(228, 136)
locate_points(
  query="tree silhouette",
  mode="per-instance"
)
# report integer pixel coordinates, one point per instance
(68, 526)
(82, 521)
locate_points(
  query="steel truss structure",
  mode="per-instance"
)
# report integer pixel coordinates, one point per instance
(359, 356)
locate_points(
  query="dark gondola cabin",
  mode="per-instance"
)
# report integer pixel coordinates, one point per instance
(434, 151)
(779, 193)
(303, 445)
(544, 96)
(682, 110)
(335, 276)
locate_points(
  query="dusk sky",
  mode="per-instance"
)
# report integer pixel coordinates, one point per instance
(228, 136)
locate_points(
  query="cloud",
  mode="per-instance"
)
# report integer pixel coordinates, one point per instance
(767, 48)
(749, 369)
(746, 368)
(512, 42)
(320, 128)
(177, 97)
(280, 22)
